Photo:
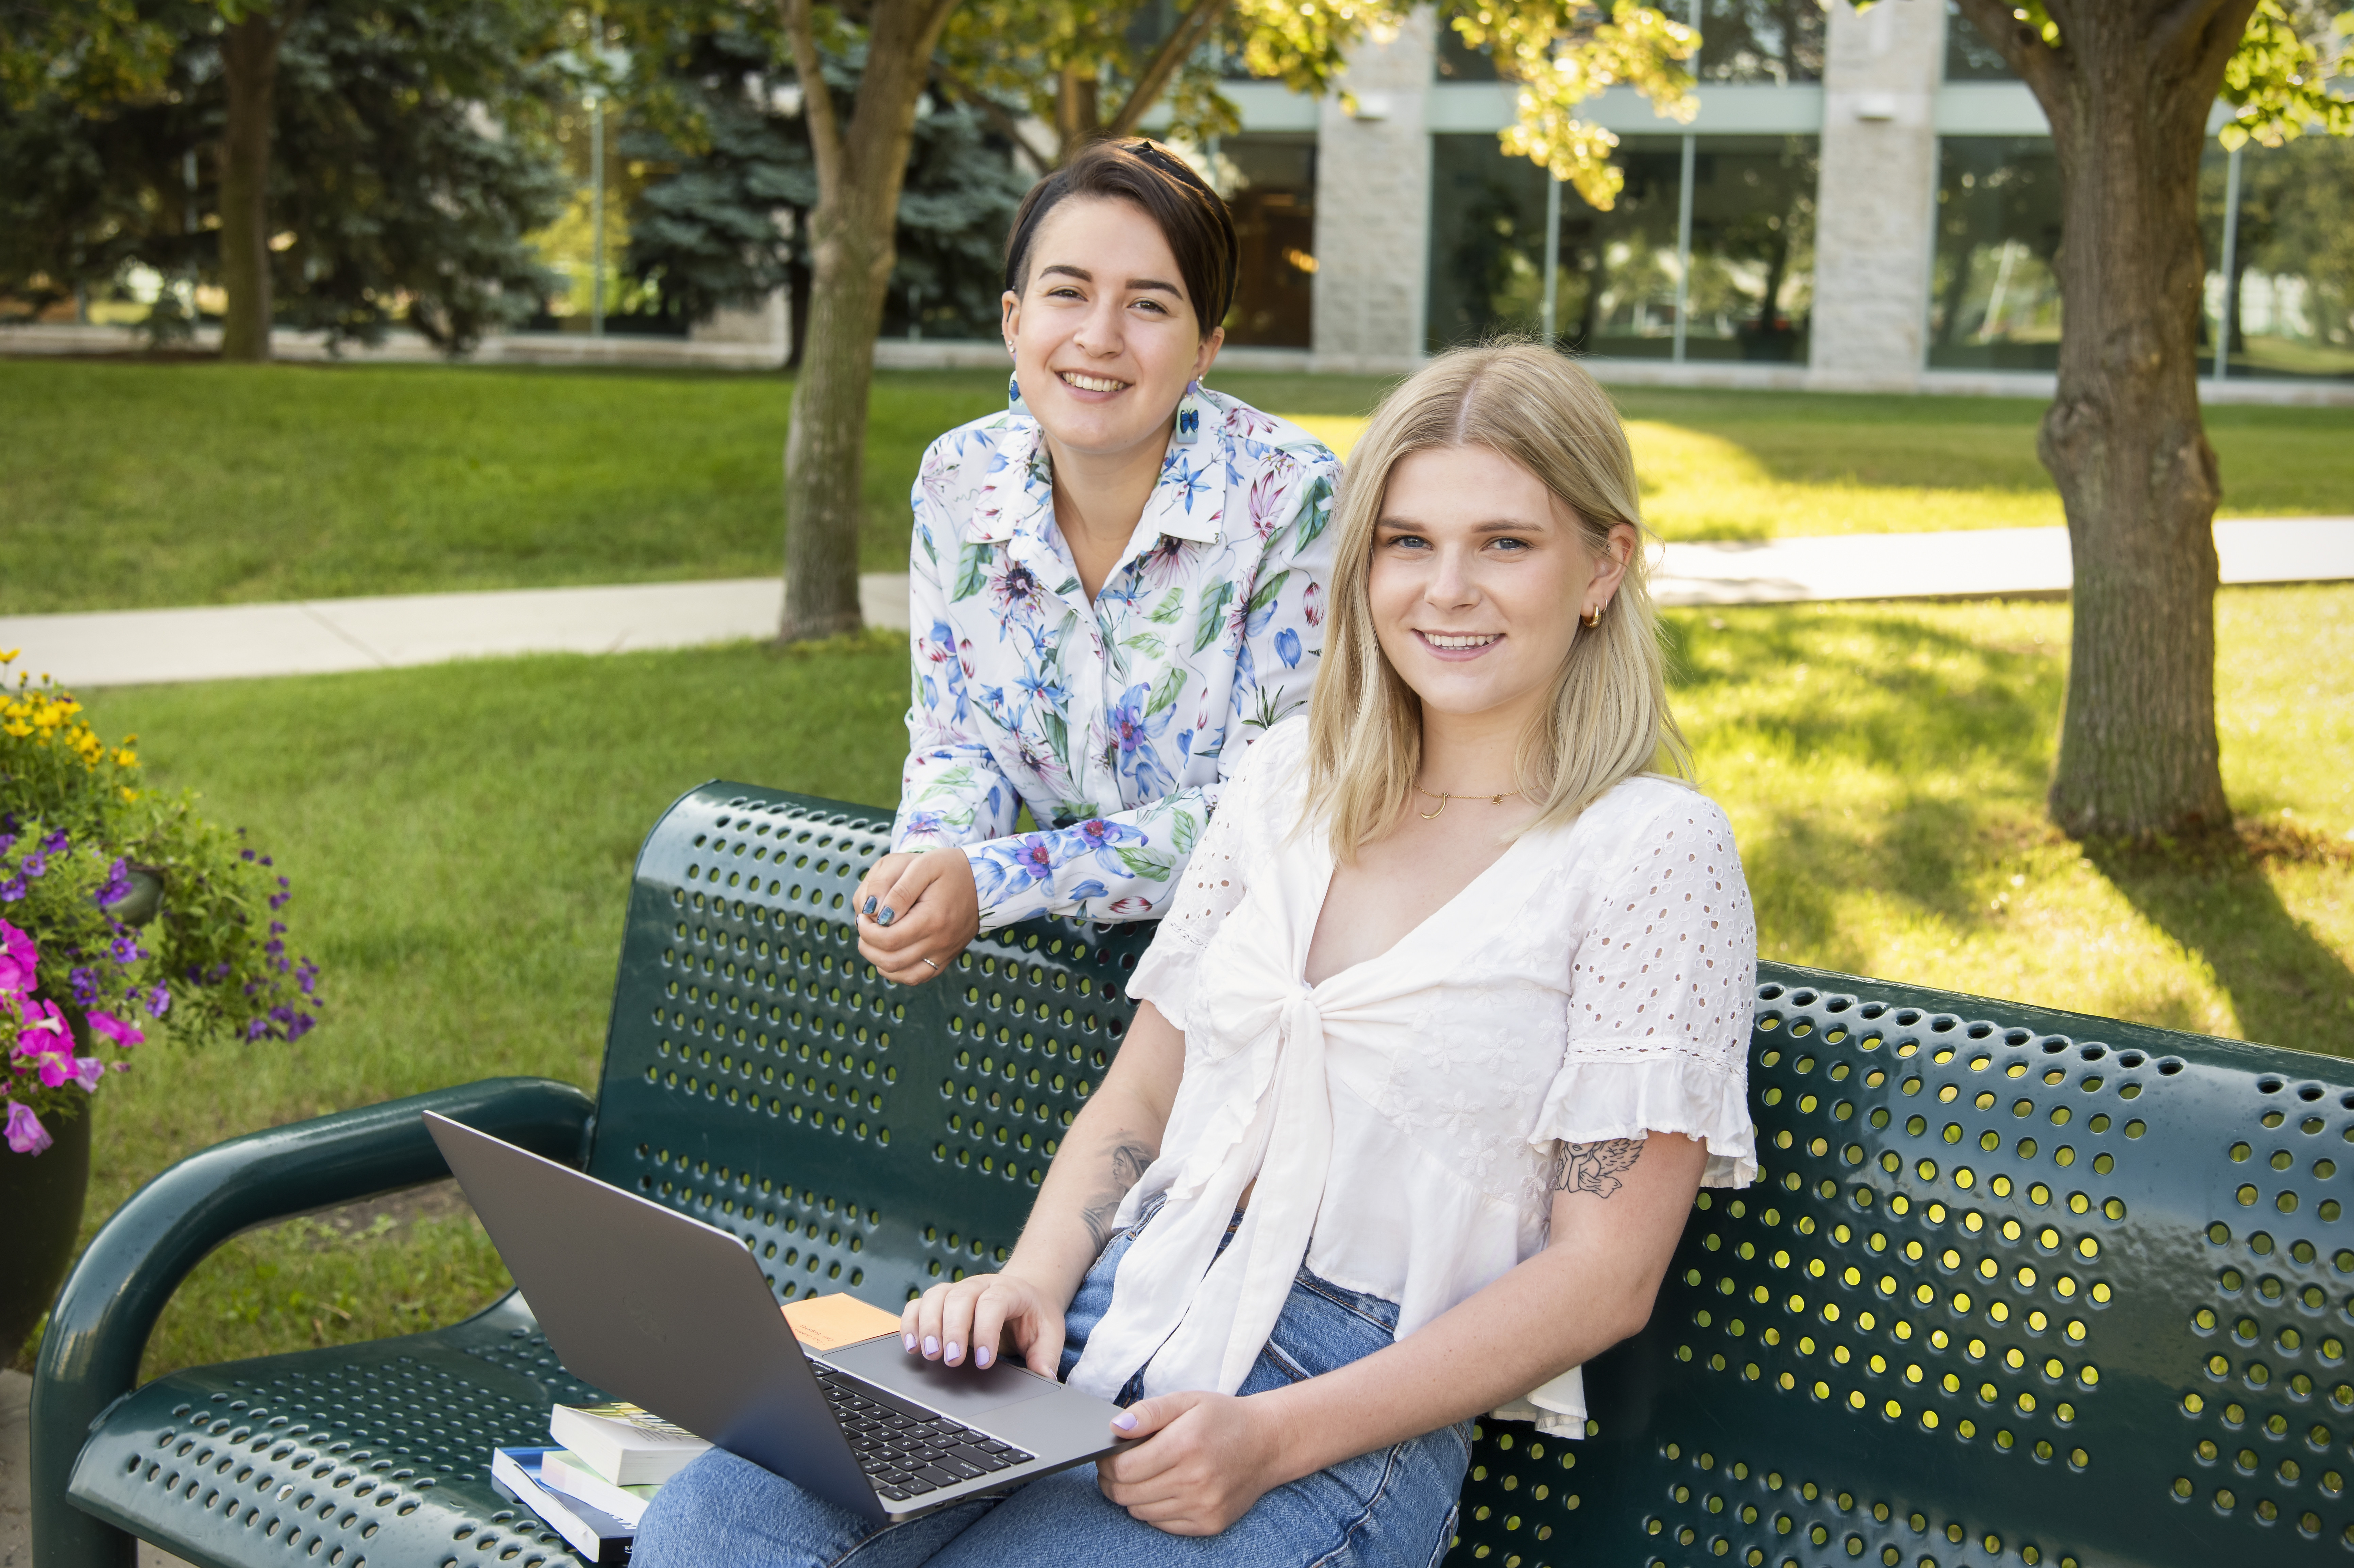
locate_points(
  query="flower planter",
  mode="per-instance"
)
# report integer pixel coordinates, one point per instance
(41, 1195)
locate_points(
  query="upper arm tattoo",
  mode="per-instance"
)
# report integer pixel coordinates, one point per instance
(1127, 1167)
(1595, 1167)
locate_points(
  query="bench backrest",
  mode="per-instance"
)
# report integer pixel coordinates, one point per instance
(2019, 1285)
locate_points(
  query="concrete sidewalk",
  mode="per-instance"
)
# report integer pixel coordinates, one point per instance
(325, 636)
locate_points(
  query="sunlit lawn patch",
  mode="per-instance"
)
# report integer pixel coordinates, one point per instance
(130, 484)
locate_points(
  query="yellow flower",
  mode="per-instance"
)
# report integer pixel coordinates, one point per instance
(125, 758)
(10, 656)
(16, 728)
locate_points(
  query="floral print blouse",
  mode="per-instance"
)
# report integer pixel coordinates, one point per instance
(1118, 721)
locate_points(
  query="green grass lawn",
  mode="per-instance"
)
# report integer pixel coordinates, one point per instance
(461, 836)
(129, 484)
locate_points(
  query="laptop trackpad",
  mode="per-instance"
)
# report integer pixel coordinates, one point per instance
(961, 1391)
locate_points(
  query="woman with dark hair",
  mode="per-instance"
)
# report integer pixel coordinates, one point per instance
(1117, 583)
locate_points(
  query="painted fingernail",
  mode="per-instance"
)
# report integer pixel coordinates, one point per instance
(886, 918)
(868, 906)
(1125, 1421)
(956, 1353)
(909, 1341)
(983, 1356)
(931, 1346)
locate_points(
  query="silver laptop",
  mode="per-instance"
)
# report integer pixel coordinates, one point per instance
(672, 1314)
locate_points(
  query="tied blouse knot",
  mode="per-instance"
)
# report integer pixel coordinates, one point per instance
(1401, 1118)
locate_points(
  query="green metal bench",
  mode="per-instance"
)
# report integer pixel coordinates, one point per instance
(2019, 1286)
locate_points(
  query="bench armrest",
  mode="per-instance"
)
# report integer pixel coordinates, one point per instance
(98, 1330)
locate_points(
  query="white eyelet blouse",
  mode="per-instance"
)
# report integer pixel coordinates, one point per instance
(1401, 1118)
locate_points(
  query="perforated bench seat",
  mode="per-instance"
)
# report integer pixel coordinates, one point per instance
(2019, 1286)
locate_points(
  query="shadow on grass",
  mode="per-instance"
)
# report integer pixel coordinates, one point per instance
(1885, 747)
(2212, 895)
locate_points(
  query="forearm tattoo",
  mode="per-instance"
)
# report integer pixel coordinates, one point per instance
(1595, 1167)
(1129, 1160)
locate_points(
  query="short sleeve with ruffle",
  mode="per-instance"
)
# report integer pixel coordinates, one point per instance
(1659, 999)
(1213, 882)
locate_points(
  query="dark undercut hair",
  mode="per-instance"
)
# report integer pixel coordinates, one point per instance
(1191, 217)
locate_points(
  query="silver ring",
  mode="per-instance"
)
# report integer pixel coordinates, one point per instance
(936, 968)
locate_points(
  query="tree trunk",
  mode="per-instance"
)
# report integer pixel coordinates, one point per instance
(2127, 94)
(250, 58)
(851, 249)
(1077, 116)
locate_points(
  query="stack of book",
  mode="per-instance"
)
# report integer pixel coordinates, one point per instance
(609, 1461)
(594, 1486)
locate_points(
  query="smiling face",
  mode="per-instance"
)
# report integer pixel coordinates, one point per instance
(1104, 338)
(1477, 579)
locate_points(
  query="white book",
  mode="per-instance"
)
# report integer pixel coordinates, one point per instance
(595, 1535)
(627, 1445)
(560, 1471)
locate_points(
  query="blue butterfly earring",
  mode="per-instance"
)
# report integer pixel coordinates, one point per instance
(1189, 415)
(1014, 396)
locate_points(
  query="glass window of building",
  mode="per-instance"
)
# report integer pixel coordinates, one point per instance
(1968, 56)
(1777, 41)
(1752, 267)
(1269, 182)
(1458, 61)
(2291, 257)
(1994, 301)
(1617, 289)
(1621, 273)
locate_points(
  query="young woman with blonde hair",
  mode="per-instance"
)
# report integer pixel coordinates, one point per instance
(1445, 1026)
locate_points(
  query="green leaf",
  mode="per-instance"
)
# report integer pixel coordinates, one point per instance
(1266, 592)
(1058, 733)
(1164, 694)
(1150, 865)
(1171, 605)
(972, 570)
(1211, 618)
(1184, 830)
(1146, 643)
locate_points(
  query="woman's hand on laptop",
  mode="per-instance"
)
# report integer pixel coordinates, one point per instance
(1195, 1462)
(973, 1318)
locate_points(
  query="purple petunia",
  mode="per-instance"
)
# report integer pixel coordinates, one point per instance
(84, 982)
(26, 1133)
(56, 842)
(12, 891)
(36, 864)
(126, 950)
(158, 1003)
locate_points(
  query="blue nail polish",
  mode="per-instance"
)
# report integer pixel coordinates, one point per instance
(886, 918)
(983, 1357)
(869, 907)
(1125, 1421)
(931, 1346)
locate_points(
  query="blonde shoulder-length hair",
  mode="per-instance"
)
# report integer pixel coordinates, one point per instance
(1608, 719)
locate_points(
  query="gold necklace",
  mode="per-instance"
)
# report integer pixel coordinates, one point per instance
(1445, 796)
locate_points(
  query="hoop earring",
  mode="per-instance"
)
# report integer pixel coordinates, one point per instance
(1590, 620)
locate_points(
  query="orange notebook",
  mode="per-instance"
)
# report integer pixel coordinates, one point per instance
(830, 1322)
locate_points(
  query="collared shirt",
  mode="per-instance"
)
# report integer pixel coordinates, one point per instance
(1118, 719)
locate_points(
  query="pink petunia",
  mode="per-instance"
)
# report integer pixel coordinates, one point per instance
(26, 1133)
(44, 1041)
(115, 1029)
(18, 958)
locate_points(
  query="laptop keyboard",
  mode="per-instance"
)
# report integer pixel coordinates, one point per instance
(907, 1453)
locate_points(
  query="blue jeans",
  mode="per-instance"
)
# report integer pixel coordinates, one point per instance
(1394, 1508)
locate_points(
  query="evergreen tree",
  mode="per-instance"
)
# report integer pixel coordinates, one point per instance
(412, 155)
